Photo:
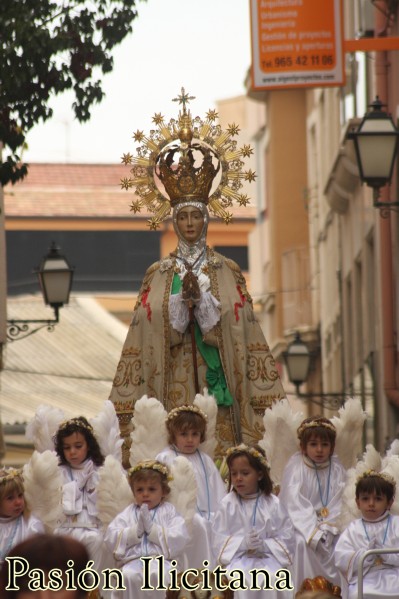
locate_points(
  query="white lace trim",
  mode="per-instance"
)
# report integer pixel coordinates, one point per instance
(206, 312)
(178, 312)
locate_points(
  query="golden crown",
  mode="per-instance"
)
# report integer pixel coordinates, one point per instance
(180, 160)
(151, 465)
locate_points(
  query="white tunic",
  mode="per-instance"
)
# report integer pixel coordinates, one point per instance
(79, 503)
(304, 493)
(211, 491)
(380, 580)
(167, 538)
(15, 530)
(235, 518)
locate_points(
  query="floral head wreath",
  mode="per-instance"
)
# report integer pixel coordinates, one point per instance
(176, 411)
(151, 465)
(316, 422)
(383, 475)
(251, 450)
(9, 474)
(78, 422)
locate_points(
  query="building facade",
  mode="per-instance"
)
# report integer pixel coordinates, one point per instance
(345, 262)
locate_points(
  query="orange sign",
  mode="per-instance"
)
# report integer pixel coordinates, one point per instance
(296, 43)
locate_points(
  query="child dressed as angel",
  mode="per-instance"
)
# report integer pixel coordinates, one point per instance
(252, 529)
(376, 529)
(80, 458)
(150, 526)
(186, 428)
(16, 522)
(311, 490)
(68, 463)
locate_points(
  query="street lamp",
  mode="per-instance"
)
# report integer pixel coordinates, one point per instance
(376, 146)
(298, 360)
(55, 279)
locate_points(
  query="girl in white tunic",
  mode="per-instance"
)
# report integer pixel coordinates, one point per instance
(149, 527)
(80, 458)
(311, 490)
(252, 529)
(186, 430)
(16, 524)
(376, 529)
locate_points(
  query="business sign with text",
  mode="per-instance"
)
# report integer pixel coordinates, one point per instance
(296, 43)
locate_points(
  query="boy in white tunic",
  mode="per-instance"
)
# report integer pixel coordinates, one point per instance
(186, 427)
(311, 490)
(376, 529)
(149, 527)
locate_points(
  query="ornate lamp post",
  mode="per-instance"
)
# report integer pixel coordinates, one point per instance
(298, 360)
(376, 145)
(55, 279)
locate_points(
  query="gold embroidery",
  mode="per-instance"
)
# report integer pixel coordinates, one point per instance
(284, 549)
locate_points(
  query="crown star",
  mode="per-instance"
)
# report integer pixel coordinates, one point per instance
(246, 151)
(138, 136)
(135, 207)
(243, 200)
(250, 175)
(233, 129)
(125, 183)
(127, 158)
(157, 118)
(211, 115)
(154, 223)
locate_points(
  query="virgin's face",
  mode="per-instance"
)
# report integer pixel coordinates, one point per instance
(190, 222)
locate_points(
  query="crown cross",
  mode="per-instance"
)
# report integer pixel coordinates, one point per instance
(183, 98)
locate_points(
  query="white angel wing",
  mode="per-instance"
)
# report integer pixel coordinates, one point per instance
(349, 426)
(280, 440)
(394, 448)
(113, 490)
(390, 465)
(106, 430)
(43, 426)
(183, 488)
(372, 460)
(43, 488)
(207, 404)
(349, 509)
(149, 436)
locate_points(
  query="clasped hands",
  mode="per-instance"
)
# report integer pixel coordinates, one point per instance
(252, 541)
(144, 521)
